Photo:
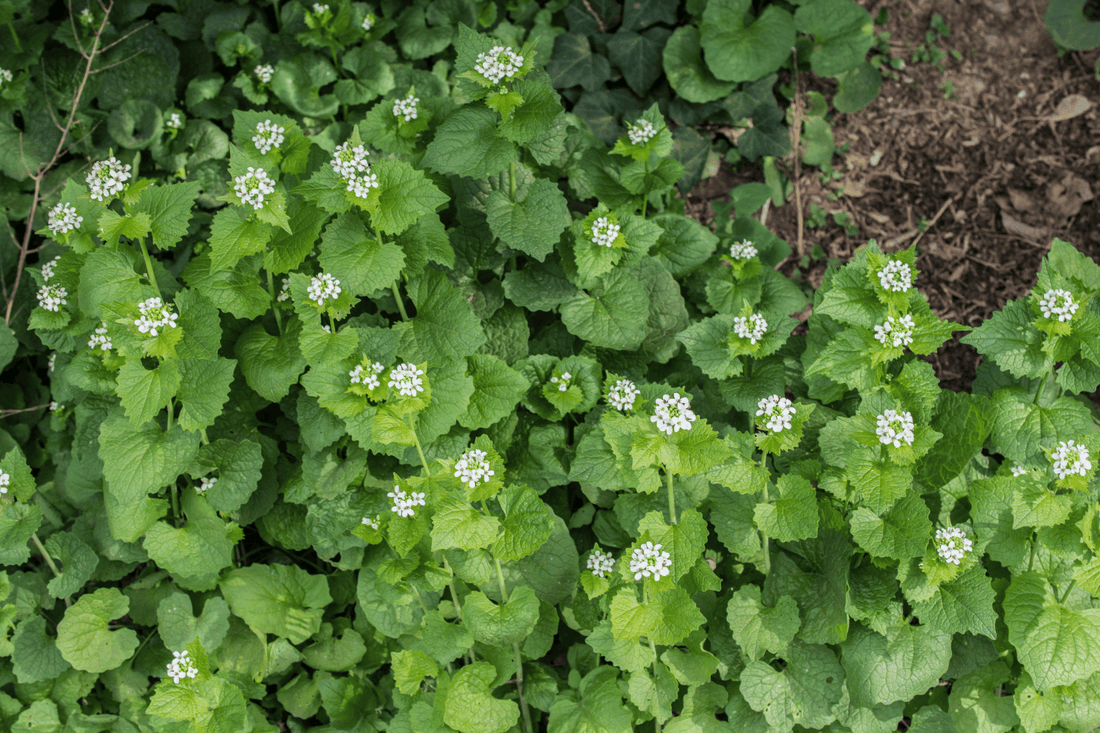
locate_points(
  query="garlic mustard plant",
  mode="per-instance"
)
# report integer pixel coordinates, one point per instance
(895, 428)
(264, 72)
(268, 137)
(52, 297)
(368, 375)
(472, 468)
(63, 219)
(743, 250)
(604, 231)
(351, 165)
(406, 108)
(896, 276)
(107, 179)
(896, 332)
(155, 316)
(650, 561)
(323, 288)
(405, 378)
(47, 269)
(1019, 470)
(622, 395)
(181, 667)
(368, 22)
(778, 410)
(174, 121)
(284, 291)
(601, 563)
(404, 504)
(100, 340)
(1059, 304)
(672, 413)
(52, 361)
(5, 77)
(752, 327)
(640, 132)
(1071, 459)
(371, 522)
(563, 381)
(498, 63)
(253, 187)
(206, 483)
(952, 544)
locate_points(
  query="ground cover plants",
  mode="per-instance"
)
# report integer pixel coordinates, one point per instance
(422, 406)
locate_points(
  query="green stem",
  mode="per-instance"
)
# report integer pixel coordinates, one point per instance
(764, 541)
(671, 499)
(527, 725)
(512, 179)
(645, 203)
(400, 303)
(1070, 587)
(1031, 560)
(149, 266)
(15, 37)
(171, 412)
(45, 555)
(174, 494)
(457, 603)
(653, 648)
(274, 296)
(1042, 386)
(418, 598)
(423, 460)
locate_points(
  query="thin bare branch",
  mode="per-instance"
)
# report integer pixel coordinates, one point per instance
(8, 413)
(72, 24)
(129, 33)
(111, 66)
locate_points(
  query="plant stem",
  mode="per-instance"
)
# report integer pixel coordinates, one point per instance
(1070, 587)
(764, 541)
(645, 196)
(45, 555)
(149, 266)
(1031, 560)
(527, 726)
(671, 499)
(173, 493)
(653, 648)
(512, 180)
(271, 292)
(15, 37)
(423, 460)
(397, 297)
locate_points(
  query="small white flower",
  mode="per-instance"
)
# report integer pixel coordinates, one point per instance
(51, 361)
(349, 162)
(368, 377)
(406, 107)
(601, 563)
(405, 378)
(472, 468)
(896, 276)
(100, 340)
(86, 17)
(895, 428)
(499, 63)
(405, 504)
(952, 544)
(253, 186)
(562, 382)
(62, 219)
(1070, 458)
(269, 136)
(5, 77)
(52, 297)
(672, 413)
(181, 666)
(174, 122)
(371, 522)
(622, 395)
(368, 22)
(641, 132)
(54, 406)
(326, 328)
(5, 482)
(319, 9)
(47, 269)
(779, 411)
(264, 72)
(604, 232)
(1058, 304)
(360, 186)
(206, 483)
(752, 327)
(1019, 470)
(323, 287)
(743, 250)
(284, 291)
(107, 178)
(155, 316)
(896, 332)
(649, 561)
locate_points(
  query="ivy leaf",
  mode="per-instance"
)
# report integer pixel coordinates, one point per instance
(84, 639)
(277, 599)
(757, 628)
(573, 63)
(638, 56)
(470, 706)
(195, 553)
(502, 625)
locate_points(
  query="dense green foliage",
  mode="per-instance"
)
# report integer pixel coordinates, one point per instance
(389, 395)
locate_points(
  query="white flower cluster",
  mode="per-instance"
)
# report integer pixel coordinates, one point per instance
(896, 276)
(5, 482)
(284, 291)
(405, 378)
(368, 22)
(351, 165)
(181, 666)
(100, 340)
(253, 186)
(107, 178)
(952, 544)
(1070, 458)
(367, 377)
(405, 504)
(47, 269)
(896, 332)
(323, 287)
(5, 76)
(601, 563)
(269, 136)
(264, 72)
(1058, 304)
(206, 483)
(54, 406)
(371, 522)
(743, 250)
(62, 219)
(622, 394)
(779, 411)
(155, 315)
(174, 122)
(752, 327)
(604, 232)
(563, 382)
(406, 107)
(51, 361)
(52, 297)
(86, 16)
(319, 9)
(1019, 470)
(895, 428)
(499, 63)
(672, 413)
(649, 561)
(472, 468)
(640, 133)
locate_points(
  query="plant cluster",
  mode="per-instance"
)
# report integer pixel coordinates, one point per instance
(451, 420)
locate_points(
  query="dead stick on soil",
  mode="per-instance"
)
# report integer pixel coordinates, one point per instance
(936, 218)
(796, 133)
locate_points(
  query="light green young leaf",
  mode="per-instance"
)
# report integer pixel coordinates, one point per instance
(233, 238)
(410, 668)
(169, 209)
(527, 524)
(757, 628)
(532, 221)
(901, 533)
(793, 515)
(627, 655)
(178, 627)
(403, 195)
(597, 707)
(457, 524)
(497, 390)
(83, 637)
(470, 706)
(361, 263)
(805, 693)
(197, 552)
(277, 599)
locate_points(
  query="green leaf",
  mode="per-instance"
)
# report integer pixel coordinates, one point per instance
(736, 52)
(145, 392)
(596, 707)
(638, 56)
(684, 541)
(677, 618)
(410, 668)
(78, 562)
(18, 521)
(237, 467)
(286, 251)
(533, 222)
(203, 390)
(35, 656)
(527, 524)
(1021, 428)
(573, 63)
(502, 625)
(497, 390)
(535, 116)
(900, 534)
(457, 524)
(627, 655)
(843, 34)
(178, 626)
(898, 666)
(197, 552)
(140, 460)
(879, 481)
(235, 290)
(336, 653)
(858, 88)
(212, 705)
(444, 326)
(169, 208)
(298, 81)
(804, 693)
(83, 637)
(757, 628)
(611, 316)
(965, 421)
(270, 364)
(1011, 341)
(793, 516)
(233, 238)
(1034, 505)
(403, 195)
(363, 264)
(976, 702)
(467, 144)
(1056, 645)
(277, 599)
(470, 706)
(962, 605)
(112, 226)
(1070, 27)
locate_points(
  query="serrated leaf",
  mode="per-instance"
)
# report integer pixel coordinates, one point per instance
(137, 461)
(169, 209)
(533, 224)
(527, 524)
(233, 238)
(270, 364)
(793, 515)
(900, 534)
(804, 693)
(501, 625)
(203, 390)
(757, 628)
(277, 599)
(905, 663)
(470, 706)
(362, 263)
(197, 552)
(83, 637)
(403, 195)
(611, 316)
(467, 144)
(145, 392)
